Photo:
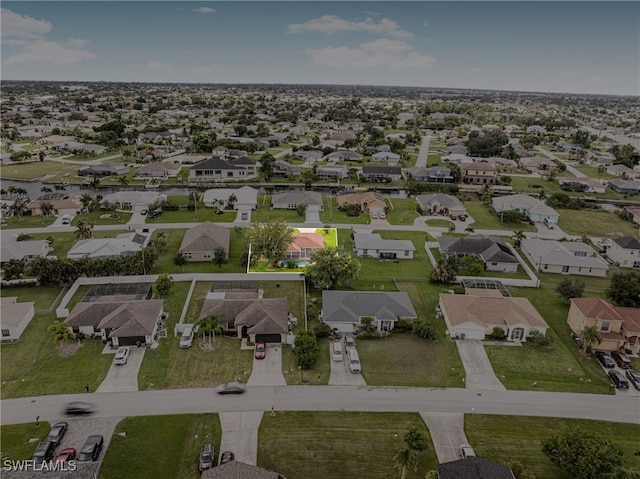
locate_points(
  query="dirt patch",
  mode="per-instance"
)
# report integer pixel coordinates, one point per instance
(66, 350)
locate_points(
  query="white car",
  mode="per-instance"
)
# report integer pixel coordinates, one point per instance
(382, 215)
(466, 451)
(186, 340)
(121, 356)
(374, 215)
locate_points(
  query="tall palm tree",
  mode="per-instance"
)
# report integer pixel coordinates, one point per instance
(232, 200)
(84, 230)
(87, 201)
(404, 459)
(445, 271)
(208, 325)
(94, 183)
(589, 336)
(61, 332)
(541, 195)
(123, 181)
(518, 236)
(46, 208)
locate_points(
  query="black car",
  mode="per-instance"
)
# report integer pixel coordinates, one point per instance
(57, 432)
(618, 380)
(91, 449)
(604, 359)
(230, 388)
(227, 456)
(155, 213)
(207, 453)
(633, 377)
(44, 452)
(78, 408)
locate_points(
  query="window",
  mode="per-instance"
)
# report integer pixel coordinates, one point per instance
(6, 333)
(406, 253)
(365, 251)
(580, 253)
(546, 266)
(565, 269)
(605, 326)
(494, 264)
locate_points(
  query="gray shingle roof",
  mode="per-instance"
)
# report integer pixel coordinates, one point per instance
(489, 248)
(297, 197)
(473, 468)
(350, 306)
(374, 241)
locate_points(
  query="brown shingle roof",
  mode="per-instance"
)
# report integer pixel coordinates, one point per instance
(205, 237)
(596, 308)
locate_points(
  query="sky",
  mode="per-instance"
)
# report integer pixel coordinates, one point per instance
(573, 47)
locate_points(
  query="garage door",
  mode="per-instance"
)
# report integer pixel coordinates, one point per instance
(130, 341)
(468, 333)
(268, 338)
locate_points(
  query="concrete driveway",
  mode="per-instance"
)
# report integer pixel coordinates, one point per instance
(479, 373)
(447, 434)
(340, 373)
(124, 377)
(240, 435)
(268, 371)
(312, 216)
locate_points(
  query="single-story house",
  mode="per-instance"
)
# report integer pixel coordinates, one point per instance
(382, 173)
(345, 310)
(634, 214)
(535, 164)
(283, 169)
(621, 170)
(250, 315)
(62, 203)
(303, 245)
(590, 185)
(200, 241)
(11, 248)
(473, 468)
(626, 187)
(365, 200)
(329, 171)
(625, 252)
(609, 320)
(55, 139)
(14, 317)
(565, 257)
(433, 174)
(123, 323)
(133, 200)
(534, 209)
(123, 244)
(71, 146)
(246, 198)
(291, 199)
(473, 315)
(344, 155)
(217, 168)
(440, 203)
(495, 253)
(371, 245)
(103, 169)
(237, 470)
(309, 156)
(386, 157)
(159, 169)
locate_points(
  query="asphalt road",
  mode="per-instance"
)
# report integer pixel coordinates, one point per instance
(333, 398)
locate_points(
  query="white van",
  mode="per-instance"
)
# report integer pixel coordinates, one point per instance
(187, 338)
(336, 351)
(66, 219)
(354, 361)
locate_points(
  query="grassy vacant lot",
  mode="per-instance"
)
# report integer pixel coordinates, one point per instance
(164, 263)
(36, 169)
(348, 445)
(178, 436)
(15, 439)
(102, 217)
(506, 438)
(558, 367)
(599, 223)
(522, 184)
(27, 222)
(318, 375)
(264, 213)
(184, 215)
(593, 172)
(485, 219)
(332, 214)
(402, 211)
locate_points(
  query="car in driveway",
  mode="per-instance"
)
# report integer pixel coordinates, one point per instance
(207, 453)
(57, 432)
(227, 456)
(261, 350)
(244, 216)
(186, 340)
(66, 455)
(604, 359)
(231, 388)
(618, 380)
(382, 215)
(91, 449)
(349, 342)
(466, 451)
(44, 452)
(621, 359)
(121, 356)
(633, 377)
(78, 408)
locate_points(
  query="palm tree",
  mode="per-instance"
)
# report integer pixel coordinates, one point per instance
(61, 332)
(485, 194)
(404, 459)
(84, 230)
(123, 181)
(94, 183)
(209, 324)
(518, 236)
(445, 271)
(87, 201)
(19, 209)
(46, 208)
(231, 201)
(60, 187)
(589, 336)
(469, 229)
(541, 195)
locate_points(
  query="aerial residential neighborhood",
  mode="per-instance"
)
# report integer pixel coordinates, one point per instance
(346, 250)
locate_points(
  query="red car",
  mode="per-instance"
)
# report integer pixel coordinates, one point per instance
(261, 350)
(65, 455)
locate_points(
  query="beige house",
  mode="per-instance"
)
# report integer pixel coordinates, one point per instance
(480, 173)
(303, 245)
(200, 242)
(587, 312)
(475, 314)
(625, 252)
(14, 318)
(365, 200)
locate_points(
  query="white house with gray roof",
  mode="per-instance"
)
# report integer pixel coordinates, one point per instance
(246, 198)
(532, 208)
(345, 310)
(625, 251)
(123, 244)
(371, 245)
(291, 199)
(133, 200)
(564, 257)
(11, 248)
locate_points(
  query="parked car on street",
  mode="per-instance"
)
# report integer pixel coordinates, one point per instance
(618, 380)
(231, 388)
(68, 454)
(77, 408)
(621, 360)
(227, 456)
(121, 356)
(207, 453)
(604, 359)
(633, 377)
(57, 432)
(261, 350)
(91, 449)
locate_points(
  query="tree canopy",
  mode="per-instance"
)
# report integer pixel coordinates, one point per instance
(306, 349)
(331, 267)
(624, 289)
(570, 288)
(270, 240)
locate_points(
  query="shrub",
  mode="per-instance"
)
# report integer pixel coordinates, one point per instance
(498, 333)
(538, 339)
(423, 329)
(403, 326)
(322, 330)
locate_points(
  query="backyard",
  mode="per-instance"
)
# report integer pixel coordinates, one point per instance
(485, 218)
(598, 223)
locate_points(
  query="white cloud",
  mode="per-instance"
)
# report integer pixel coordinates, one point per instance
(16, 25)
(48, 52)
(158, 65)
(330, 24)
(205, 10)
(382, 53)
(76, 42)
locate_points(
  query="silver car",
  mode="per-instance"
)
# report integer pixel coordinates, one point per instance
(121, 356)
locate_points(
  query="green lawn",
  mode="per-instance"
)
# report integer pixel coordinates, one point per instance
(36, 169)
(522, 184)
(27, 222)
(506, 438)
(593, 172)
(310, 445)
(63, 242)
(318, 375)
(438, 223)
(559, 367)
(102, 217)
(264, 213)
(43, 296)
(332, 214)
(402, 211)
(600, 223)
(484, 218)
(178, 436)
(184, 215)
(16, 437)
